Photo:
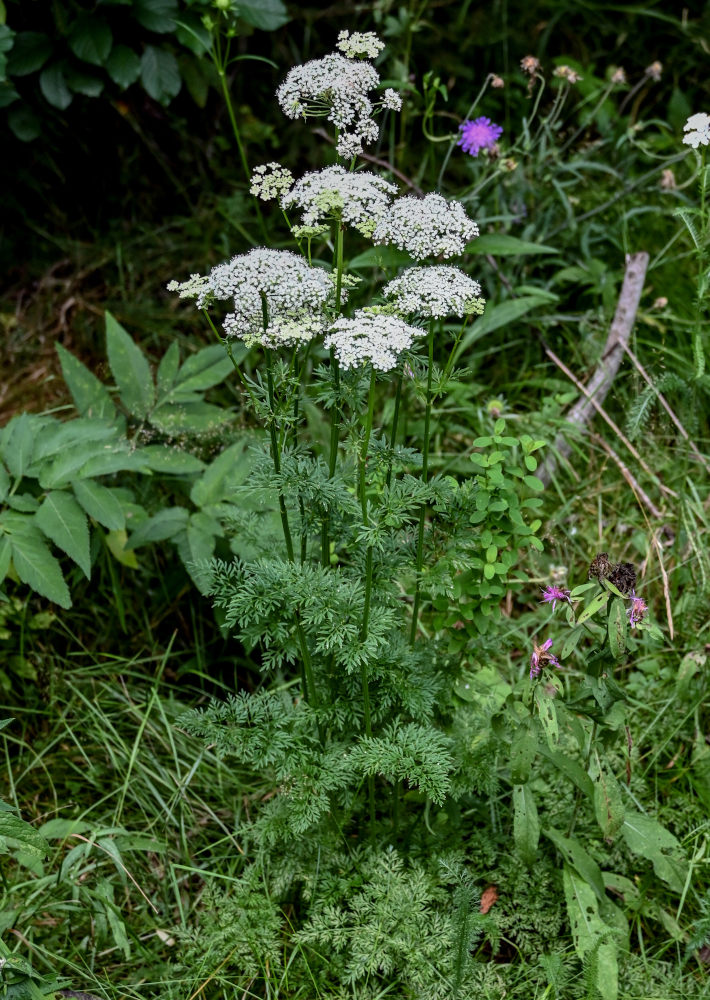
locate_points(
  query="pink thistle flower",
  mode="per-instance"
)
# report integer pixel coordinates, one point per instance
(478, 134)
(637, 611)
(540, 657)
(554, 594)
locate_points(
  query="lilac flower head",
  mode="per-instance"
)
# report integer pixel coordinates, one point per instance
(478, 134)
(552, 594)
(540, 656)
(637, 610)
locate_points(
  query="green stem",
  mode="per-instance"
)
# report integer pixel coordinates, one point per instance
(395, 419)
(227, 345)
(452, 145)
(425, 475)
(335, 409)
(368, 581)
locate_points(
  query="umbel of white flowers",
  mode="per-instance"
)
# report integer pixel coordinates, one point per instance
(697, 129)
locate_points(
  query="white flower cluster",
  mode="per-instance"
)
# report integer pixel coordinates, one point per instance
(697, 128)
(391, 100)
(437, 292)
(196, 287)
(295, 295)
(426, 227)
(270, 181)
(331, 82)
(370, 338)
(358, 198)
(361, 44)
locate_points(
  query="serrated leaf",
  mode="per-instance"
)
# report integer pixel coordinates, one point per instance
(160, 74)
(616, 628)
(188, 418)
(22, 835)
(170, 460)
(36, 566)
(130, 368)
(265, 14)
(168, 369)
(63, 521)
(90, 39)
(596, 604)
(123, 66)
(100, 503)
(29, 53)
(91, 397)
(206, 368)
(55, 438)
(526, 825)
(156, 15)
(18, 442)
(165, 524)
(506, 246)
(54, 87)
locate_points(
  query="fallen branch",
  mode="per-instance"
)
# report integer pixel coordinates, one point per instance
(595, 391)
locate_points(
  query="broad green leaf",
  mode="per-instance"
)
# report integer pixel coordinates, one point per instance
(196, 545)
(110, 461)
(100, 503)
(526, 825)
(168, 369)
(548, 715)
(575, 855)
(506, 246)
(170, 460)
(55, 438)
(23, 502)
(5, 557)
(616, 628)
(195, 73)
(571, 769)
(647, 837)
(592, 937)
(596, 604)
(571, 642)
(608, 806)
(83, 83)
(208, 367)
(123, 66)
(60, 829)
(160, 74)
(582, 589)
(265, 14)
(165, 524)
(192, 33)
(130, 368)
(523, 749)
(36, 566)
(116, 542)
(156, 15)
(63, 521)
(18, 441)
(22, 835)
(91, 397)
(188, 418)
(90, 39)
(606, 970)
(29, 53)
(54, 87)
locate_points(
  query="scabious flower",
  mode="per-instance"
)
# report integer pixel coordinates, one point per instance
(478, 134)
(370, 337)
(357, 198)
(552, 594)
(437, 292)
(295, 295)
(270, 181)
(637, 611)
(360, 44)
(426, 227)
(566, 73)
(530, 65)
(697, 129)
(540, 657)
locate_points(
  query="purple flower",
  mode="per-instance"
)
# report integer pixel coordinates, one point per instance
(541, 656)
(478, 134)
(637, 610)
(554, 594)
